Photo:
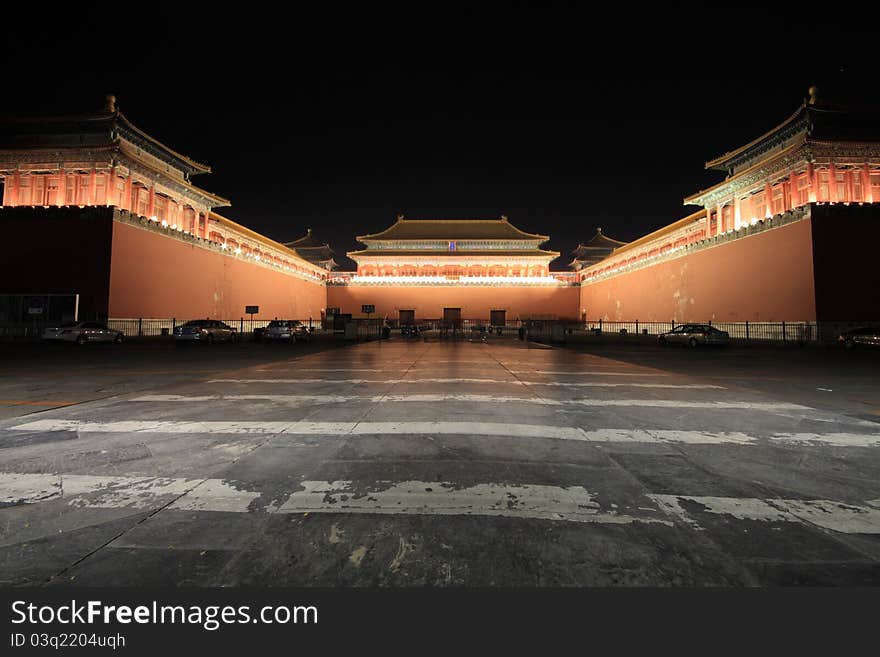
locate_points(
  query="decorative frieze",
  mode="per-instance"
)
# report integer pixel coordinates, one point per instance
(452, 245)
(776, 142)
(353, 280)
(769, 172)
(302, 270)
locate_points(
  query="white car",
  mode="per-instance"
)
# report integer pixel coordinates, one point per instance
(82, 332)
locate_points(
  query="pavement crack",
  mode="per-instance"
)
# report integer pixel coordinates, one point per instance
(380, 398)
(106, 543)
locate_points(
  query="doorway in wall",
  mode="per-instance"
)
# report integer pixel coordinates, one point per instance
(452, 317)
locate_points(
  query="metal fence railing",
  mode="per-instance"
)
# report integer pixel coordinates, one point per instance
(477, 329)
(784, 332)
(462, 329)
(154, 327)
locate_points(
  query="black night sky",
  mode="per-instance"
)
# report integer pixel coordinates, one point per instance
(560, 148)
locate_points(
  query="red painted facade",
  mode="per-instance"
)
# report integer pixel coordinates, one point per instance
(155, 276)
(123, 270)
(766, 277)
(475, 302)
(787, 235)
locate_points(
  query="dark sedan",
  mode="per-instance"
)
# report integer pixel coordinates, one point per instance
(865, 336)
(206, 331)
(694, 335)
(286, 330)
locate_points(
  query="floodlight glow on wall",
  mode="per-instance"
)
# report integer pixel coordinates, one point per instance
(462, 280)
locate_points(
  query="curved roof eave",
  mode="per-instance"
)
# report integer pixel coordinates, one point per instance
(721, 161)
(195, 167)
(376, 253)
(399, 224)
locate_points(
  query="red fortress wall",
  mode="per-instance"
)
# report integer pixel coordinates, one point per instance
(156, 276)
(475, 302)
(821, 267)
(120, 270)
(762, 277)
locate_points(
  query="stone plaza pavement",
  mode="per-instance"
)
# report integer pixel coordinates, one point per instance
(399, 463)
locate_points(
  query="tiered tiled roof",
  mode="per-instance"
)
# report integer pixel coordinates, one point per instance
(816, 121)
(598, 247)
(102, 131)
(452, 229)
(310, 248)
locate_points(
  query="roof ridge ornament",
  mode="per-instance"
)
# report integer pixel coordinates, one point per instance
(110, 103)
(814, 95)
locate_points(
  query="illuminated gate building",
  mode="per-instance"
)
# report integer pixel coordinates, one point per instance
(99, 209)
(452, 269)
(789, 234)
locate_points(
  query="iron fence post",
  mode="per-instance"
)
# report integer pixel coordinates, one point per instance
(140, 327)
(783, 331)
(747, 330)
(241, 325)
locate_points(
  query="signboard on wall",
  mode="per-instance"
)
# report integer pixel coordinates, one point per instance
(35, 306)
(368, 308)
(251, 310)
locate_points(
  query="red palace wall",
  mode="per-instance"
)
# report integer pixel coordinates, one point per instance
(821, 268)
(763, 277)
(155, 276)
(475, 302)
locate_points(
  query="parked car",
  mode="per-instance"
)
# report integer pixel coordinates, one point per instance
(206, 331)
(865, 336)
(286, 330)
(412, 330)
(82, 332)
(693, 335)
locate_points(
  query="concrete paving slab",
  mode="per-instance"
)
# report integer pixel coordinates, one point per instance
(546, 466)
(154, 567)
(675, 474)
(34, 562)
(191, 530)
(804, 472)
(420, 551)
